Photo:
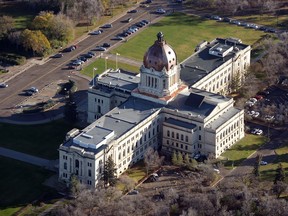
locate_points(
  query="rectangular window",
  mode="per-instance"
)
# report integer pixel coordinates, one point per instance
(177, 136)
(182, 137)
(199, 127)
(172, 134)
(199, 137)
(89, 173)
(186, 138)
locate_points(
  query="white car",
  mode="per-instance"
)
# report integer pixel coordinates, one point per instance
(96, 32)
(160, 11)
(263, 163)
(257, 131)
(100, 48)
(256, 114)
(3, 85)
(33, 89)
(269, 117)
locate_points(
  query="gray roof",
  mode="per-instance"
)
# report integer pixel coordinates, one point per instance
(121, 80)
(224, 118)
(119, 120)
(202, 63)
(181, 123)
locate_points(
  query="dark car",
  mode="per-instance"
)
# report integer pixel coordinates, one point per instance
(58, 55)
(106, 45)
(132, 11)
(108, 25)
(145, 21)
(128, 20)
(70, 49)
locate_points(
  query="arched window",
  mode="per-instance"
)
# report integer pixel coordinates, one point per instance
(77, 163)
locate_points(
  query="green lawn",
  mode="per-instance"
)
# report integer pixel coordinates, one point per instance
(39, 140)
(268, 171)
(241, 150)
(22, 16)
(193, 30)
(100, 65)
(20, 184)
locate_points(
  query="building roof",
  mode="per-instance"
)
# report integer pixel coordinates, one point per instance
(118, 79)
(160, 55)
(202, 63)
(181, 123)
(116, 122)
(226, 116)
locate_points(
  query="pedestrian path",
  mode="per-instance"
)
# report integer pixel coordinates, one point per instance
(44, 163)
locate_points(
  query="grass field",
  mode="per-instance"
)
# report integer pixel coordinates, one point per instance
(241, 150)
(22, 16)
(268, 171)
(20, 184)
(183, 33)
(100, 65)
(39, 140)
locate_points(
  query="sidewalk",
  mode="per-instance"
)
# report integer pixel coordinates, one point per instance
(47, 164)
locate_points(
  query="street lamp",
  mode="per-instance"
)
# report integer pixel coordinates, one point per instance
(106, 62)
(94, 76)
(117, 54)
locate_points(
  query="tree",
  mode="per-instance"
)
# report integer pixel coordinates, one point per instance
(70, 109)
(128, 182)
(186, 159)
(174, 158)
(109, 173)
(280, 174)
(279, 188)
(180, 158)
(152, 160)
(256, 170)
(6, 25)
(74, 186)
(35, 41)
(57, 28)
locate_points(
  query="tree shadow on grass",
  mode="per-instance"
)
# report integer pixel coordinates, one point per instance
(180, 19)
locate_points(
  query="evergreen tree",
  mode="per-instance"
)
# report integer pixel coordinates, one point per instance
(186, 159)
(179, 158)
(256, 170)
(174, 158)
(109, 174)
(280, 174)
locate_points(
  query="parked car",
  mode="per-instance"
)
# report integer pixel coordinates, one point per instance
(133, 192)
(100, 48)
(108, 25)
(29, 93)
(3, 85)
(132, 11)
(145, 21)
(106, 45)
(144, 5)
(33, 89)
(97, 32)
(257, 131)
(263, 163)
(128, 20)
(160, 11)
(70, 49)
(58, 55)
(269, 117)
(117, 38)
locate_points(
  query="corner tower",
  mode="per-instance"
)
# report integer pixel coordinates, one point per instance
(160, 74)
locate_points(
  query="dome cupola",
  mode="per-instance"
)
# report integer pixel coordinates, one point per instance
(160, 55)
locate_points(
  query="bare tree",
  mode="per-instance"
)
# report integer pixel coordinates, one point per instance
(152, 159)
(128, 182)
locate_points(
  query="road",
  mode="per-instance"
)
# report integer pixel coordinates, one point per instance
(267, 150)
(53, 69)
